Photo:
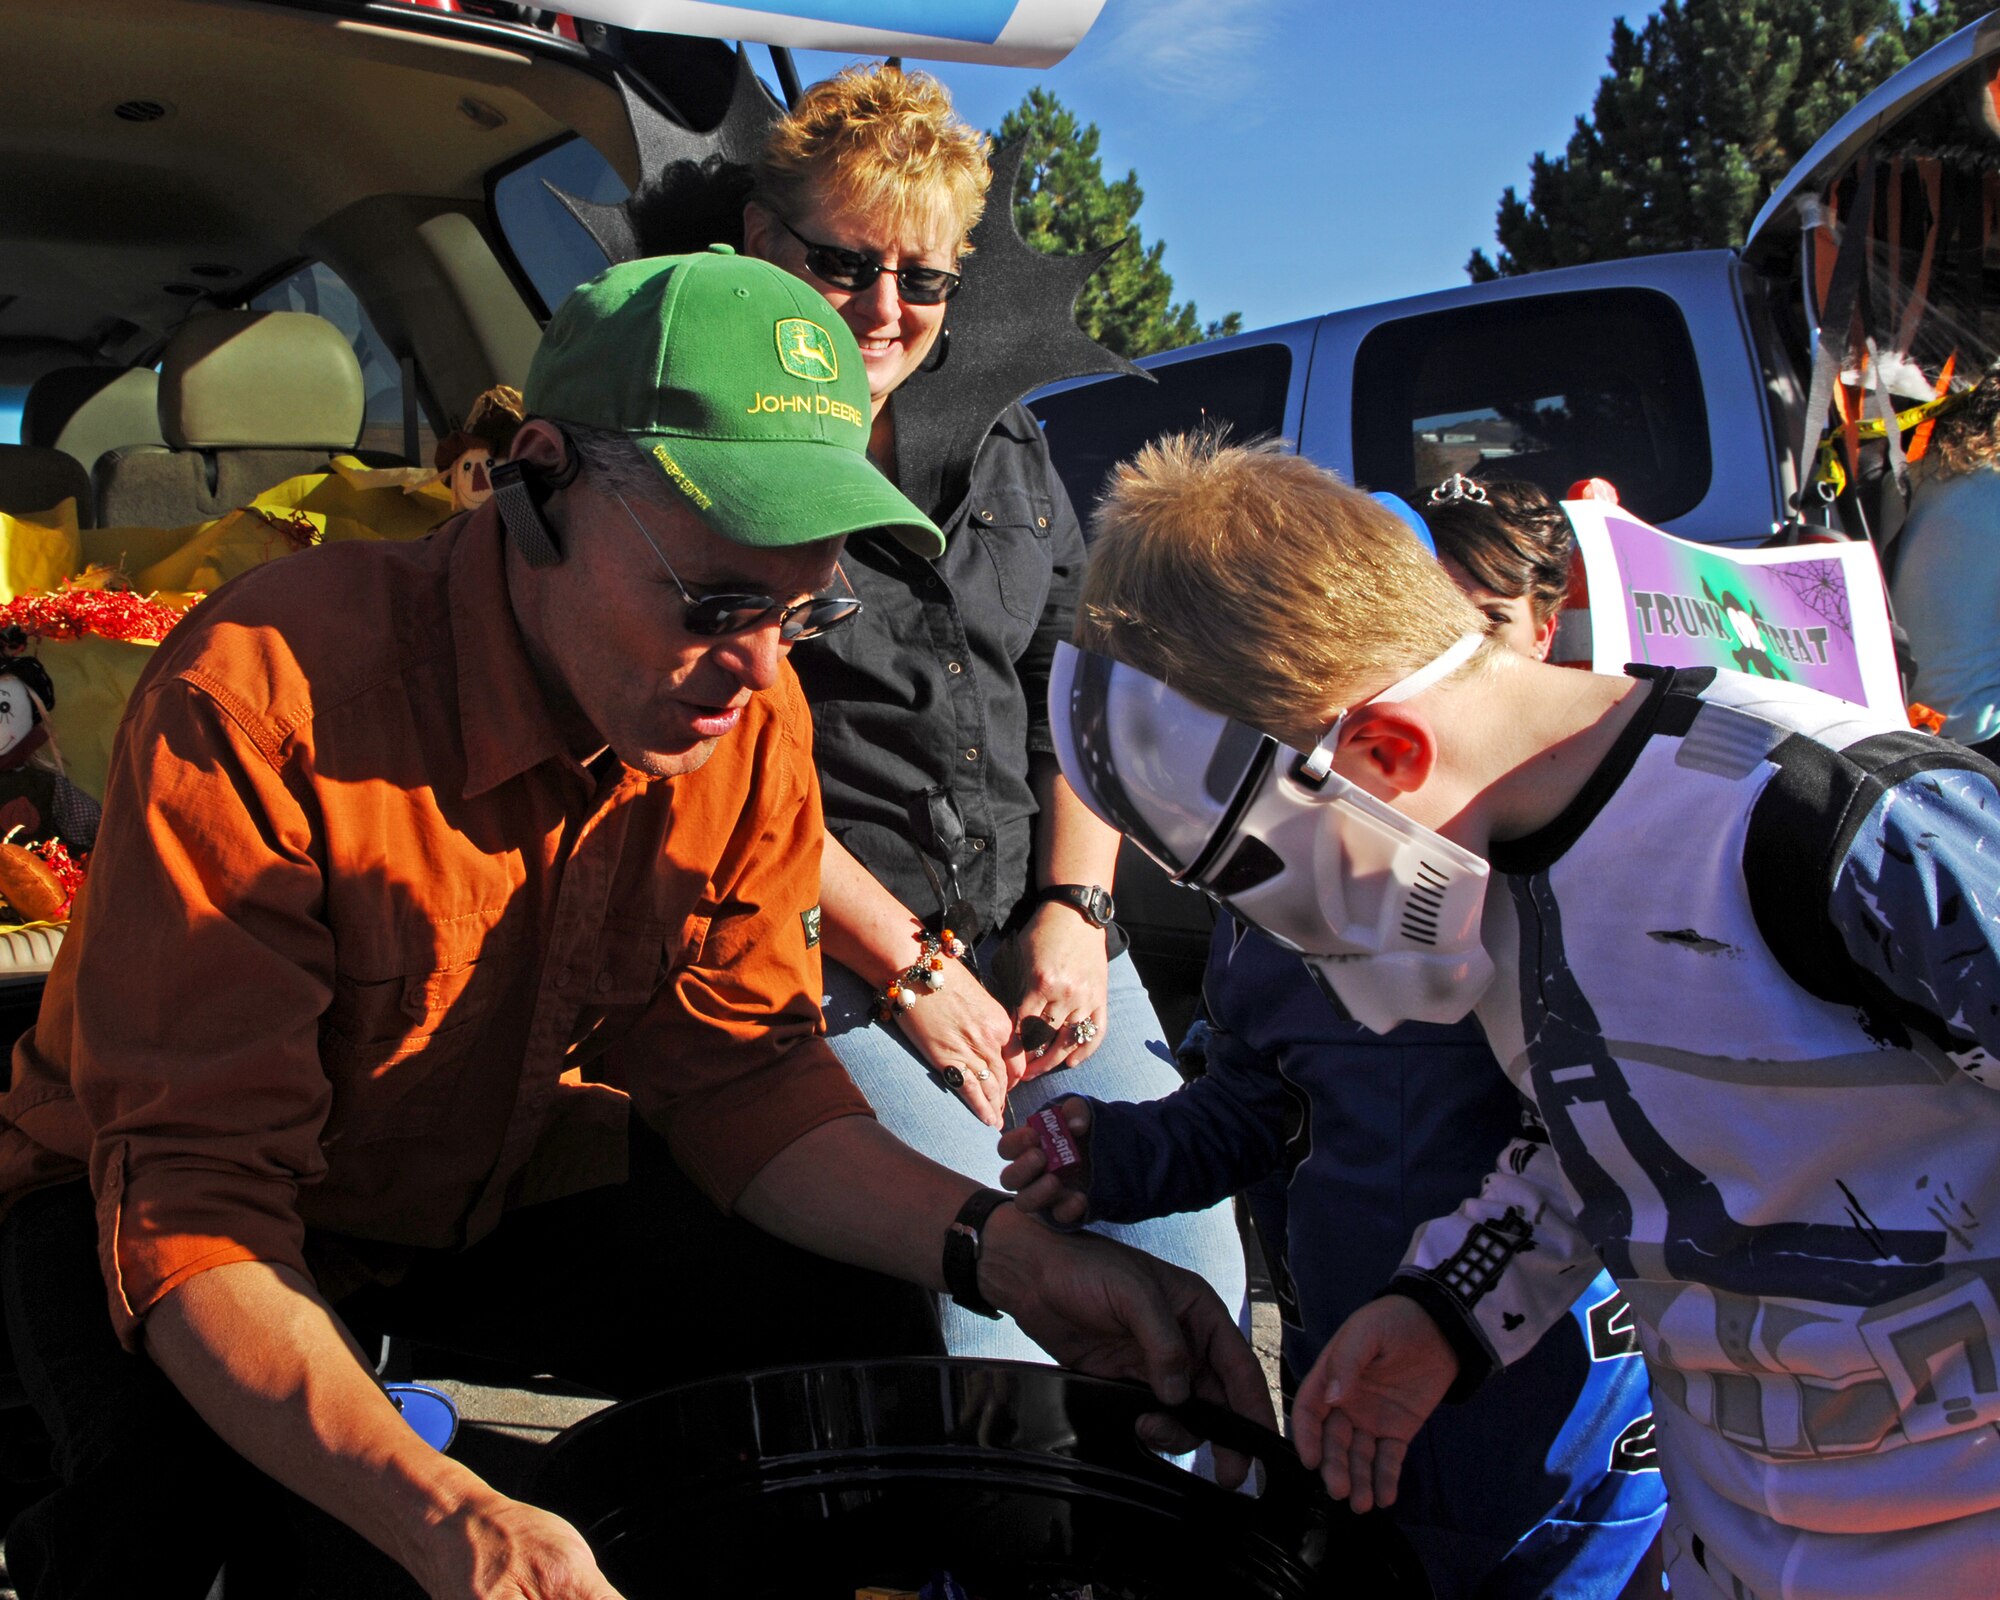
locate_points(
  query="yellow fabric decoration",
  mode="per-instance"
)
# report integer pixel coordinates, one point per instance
(38, 550)
(93, 679)
(349, 502)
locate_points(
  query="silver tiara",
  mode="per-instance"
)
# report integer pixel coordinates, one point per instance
(1455, 488)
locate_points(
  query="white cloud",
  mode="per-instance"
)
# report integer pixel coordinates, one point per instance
(1210, 50)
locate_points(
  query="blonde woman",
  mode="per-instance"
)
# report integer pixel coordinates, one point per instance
(945, 809)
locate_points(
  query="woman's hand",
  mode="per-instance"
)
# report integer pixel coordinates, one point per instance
(962, 1027)
(1059, 961)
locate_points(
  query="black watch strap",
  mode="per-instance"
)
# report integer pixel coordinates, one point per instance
(961, 1249)
(1088, 900)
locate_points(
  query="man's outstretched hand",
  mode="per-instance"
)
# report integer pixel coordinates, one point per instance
(494, 1548)
(1376, 1381)
(1103, 1308)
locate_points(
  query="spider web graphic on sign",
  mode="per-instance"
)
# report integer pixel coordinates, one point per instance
(1822, 587)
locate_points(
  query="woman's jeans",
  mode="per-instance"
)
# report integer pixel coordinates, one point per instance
(1131, 1062)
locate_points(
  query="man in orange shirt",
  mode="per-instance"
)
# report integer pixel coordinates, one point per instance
(423, 868)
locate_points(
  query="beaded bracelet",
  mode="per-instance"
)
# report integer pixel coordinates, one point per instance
(921, 977)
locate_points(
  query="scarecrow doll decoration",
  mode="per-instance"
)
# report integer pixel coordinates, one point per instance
(464, 456)
(44, 817)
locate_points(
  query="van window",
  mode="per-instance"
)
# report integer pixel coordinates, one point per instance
(12, 399)
(1596, 384)
(1093, 427)
(317, 288)
(549, 245)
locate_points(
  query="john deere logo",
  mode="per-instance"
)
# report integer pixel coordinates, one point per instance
(805, 350)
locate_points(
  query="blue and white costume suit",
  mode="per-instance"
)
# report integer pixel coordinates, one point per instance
(1545, 1482)
(1749, 980)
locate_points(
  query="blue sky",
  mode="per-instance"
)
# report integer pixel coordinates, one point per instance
(1303, 155)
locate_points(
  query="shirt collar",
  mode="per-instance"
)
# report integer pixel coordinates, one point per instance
(501, 709)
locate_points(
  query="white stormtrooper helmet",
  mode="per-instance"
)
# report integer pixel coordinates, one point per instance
(1384, 910)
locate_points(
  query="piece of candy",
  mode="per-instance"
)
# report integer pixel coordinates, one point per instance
(29, 884)
(1057, 1142)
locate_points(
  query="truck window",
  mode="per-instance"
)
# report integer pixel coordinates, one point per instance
(549, 245)
(317, 288)
(1594, 384)
(1097, 425)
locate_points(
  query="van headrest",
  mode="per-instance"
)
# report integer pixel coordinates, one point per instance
(34, 480)
(89, 410)
(260, 380)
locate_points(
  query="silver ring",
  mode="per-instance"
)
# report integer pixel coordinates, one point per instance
(1083, 1030)
(982, 1074)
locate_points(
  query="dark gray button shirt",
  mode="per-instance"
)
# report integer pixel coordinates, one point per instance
(940, 687)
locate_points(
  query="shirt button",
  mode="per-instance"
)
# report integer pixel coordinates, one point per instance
(985, 516)
(972, 754)
(1041, 522)
(978, 844)
(930, 583)
(604, 981)
(563, 978)
(953, 667)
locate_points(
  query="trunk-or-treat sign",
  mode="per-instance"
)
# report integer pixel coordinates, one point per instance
(1811, 614)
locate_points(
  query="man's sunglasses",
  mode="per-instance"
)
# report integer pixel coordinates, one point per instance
(857, 270)
(715, 615)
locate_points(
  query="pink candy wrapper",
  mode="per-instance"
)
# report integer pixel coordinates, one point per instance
(1058, 1144)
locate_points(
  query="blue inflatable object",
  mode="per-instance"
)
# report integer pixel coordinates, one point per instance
(429, 1411)
(1408, 513)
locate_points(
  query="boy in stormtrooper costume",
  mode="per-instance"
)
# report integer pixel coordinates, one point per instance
(1738, 946)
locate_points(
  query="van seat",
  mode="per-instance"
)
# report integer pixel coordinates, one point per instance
(34, 479)
(247, 400)
(88, 411)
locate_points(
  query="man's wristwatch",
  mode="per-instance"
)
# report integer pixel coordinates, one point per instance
(962, 1244)
(1087, 900)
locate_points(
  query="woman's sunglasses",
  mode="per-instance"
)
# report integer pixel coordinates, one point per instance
(714, 615)
(857, 270)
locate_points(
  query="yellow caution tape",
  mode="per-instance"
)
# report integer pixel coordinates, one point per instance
(1830, 470)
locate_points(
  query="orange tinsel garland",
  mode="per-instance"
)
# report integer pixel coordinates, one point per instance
(99, 613)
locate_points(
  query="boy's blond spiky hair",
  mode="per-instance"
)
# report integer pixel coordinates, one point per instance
(1261, 586)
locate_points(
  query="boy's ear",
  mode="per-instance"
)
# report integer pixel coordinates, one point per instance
(1393, 744)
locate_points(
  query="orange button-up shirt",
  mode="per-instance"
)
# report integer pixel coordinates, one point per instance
(365, 951)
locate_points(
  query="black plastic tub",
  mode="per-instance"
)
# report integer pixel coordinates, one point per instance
(811, 1483)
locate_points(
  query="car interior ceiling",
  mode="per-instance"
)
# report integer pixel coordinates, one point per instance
(164, 158)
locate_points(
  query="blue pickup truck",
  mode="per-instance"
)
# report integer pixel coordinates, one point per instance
(1686, 380)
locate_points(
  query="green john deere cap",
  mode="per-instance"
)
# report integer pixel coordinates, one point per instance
(742, 385)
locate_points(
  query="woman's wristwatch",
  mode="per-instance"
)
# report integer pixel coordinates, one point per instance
(962, 1244)
(1087, 900)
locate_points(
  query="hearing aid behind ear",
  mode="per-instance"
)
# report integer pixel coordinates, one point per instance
(521, 489)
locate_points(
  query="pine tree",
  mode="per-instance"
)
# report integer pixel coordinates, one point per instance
(1703, 111)
(1063, 205)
